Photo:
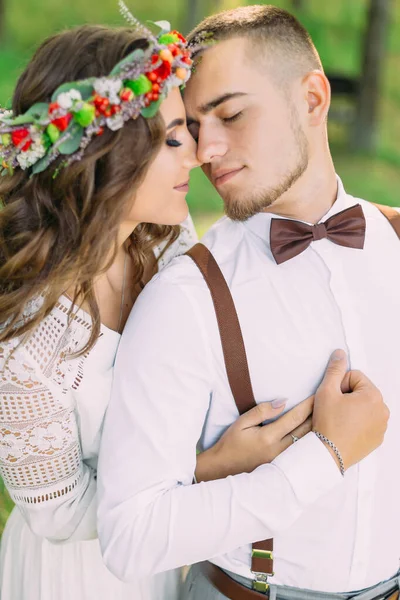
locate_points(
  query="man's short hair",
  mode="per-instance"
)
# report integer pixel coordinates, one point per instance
(285, 41)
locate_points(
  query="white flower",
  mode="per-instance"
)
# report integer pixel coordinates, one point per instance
(75, 95)
(35, 134)
(5, 114)
(78, 105)
(116, 122)
(109, 88)
(67, 99)
(29, 158)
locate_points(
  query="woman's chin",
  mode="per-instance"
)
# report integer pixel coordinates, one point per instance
(175, 217)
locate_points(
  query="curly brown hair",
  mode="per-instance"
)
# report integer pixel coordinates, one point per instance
(55, 232)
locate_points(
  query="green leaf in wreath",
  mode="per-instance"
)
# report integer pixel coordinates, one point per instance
(151, 110)
(41, 164)
(20, 120)
(85, 87)
(39, 111)
(159, 27)
(137, 54)
(72, 144)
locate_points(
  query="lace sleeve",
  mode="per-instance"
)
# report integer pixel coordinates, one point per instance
(40, 454)
(186, 240)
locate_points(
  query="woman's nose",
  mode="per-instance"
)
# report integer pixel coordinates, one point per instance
(192, 160)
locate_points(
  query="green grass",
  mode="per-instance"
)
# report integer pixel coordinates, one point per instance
(5, 506)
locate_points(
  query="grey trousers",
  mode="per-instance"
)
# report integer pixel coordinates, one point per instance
(197, 587)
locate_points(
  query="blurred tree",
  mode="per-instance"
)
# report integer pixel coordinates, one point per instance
(376, 35)
(193, 14)
(298, 4)
(217, 5)
(198, 9)
(2, 18)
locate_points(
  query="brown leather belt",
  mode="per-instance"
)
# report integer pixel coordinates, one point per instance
(236, 591)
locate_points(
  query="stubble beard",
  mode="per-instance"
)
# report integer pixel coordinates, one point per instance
(245, 208)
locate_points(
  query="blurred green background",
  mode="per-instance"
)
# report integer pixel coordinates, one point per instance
(350, 51)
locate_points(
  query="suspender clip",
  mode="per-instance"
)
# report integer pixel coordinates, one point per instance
(260, 583)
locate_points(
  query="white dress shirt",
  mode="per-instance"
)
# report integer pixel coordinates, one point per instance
(170, 390)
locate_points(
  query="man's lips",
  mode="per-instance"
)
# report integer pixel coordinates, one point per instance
(182, 187)
(220, 177)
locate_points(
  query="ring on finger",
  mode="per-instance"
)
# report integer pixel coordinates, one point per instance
(294, 438)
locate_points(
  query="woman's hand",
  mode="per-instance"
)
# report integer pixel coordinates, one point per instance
(246, 445)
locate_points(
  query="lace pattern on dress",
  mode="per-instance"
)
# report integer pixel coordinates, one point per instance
(40, 456)
(186, 240)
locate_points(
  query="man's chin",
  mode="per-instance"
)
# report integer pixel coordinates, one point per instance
(238, 207)
(237, 210)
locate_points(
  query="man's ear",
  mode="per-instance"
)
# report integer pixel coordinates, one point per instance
(317, 93)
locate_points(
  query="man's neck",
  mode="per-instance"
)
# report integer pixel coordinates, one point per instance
(311, 197)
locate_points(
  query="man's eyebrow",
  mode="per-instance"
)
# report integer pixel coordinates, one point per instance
(176, 123)
(209, 106)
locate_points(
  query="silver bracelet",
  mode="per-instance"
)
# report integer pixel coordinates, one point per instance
(332, 445)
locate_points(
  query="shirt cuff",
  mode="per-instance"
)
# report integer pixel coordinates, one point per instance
(310, 468)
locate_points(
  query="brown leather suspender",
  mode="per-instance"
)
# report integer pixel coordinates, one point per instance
(238, 376)
(231, 335)
(237, 367)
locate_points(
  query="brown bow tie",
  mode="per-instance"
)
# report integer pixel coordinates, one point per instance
(290, 238)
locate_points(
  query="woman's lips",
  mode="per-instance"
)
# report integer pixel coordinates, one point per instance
(183, 187)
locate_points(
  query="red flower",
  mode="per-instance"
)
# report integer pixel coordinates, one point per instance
(19, 136)
(163, 71)
(174, 49)
(180, 36)
(62, 122)
(53, 107)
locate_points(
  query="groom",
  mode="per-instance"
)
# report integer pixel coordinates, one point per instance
(257, 105)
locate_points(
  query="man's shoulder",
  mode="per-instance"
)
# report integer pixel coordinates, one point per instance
(380, 223)
(371, 209)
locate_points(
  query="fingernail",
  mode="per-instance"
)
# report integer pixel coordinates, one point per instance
(278, 402)
(338, 355)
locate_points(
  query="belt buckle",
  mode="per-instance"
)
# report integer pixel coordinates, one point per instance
(260, 582)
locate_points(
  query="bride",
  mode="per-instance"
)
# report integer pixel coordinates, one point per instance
(95, 178)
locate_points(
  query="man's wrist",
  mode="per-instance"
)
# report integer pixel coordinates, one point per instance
(333, 450)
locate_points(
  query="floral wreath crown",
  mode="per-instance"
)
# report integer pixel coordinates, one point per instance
(81, 110)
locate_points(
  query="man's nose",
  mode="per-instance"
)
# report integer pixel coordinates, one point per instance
(210, 146)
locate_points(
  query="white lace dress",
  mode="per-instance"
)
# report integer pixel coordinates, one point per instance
(51, 414)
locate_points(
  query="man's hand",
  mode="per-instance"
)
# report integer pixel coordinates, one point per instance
(349, 411)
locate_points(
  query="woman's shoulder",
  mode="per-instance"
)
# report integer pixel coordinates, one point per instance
(187, 239)
(50, 347)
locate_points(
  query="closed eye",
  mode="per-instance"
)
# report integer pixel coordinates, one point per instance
(233, 118)
(194, 129)
(173, 143)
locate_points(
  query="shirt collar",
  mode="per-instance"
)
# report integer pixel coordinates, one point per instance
(260, 224)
